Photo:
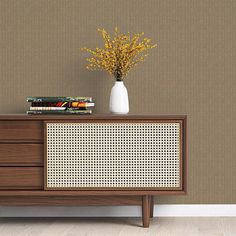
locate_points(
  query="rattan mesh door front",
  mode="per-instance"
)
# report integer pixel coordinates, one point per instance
(113, 155)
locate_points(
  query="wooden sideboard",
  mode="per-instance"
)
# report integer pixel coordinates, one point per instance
(92, 160)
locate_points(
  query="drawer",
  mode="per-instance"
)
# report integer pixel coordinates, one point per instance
(21, 154)
(26, 130)
(21, 178)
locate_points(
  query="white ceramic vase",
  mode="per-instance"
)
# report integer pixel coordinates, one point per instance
(119, 101)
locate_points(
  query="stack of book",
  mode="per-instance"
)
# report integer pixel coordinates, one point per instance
(60, 105)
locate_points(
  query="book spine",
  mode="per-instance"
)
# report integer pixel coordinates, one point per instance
(39, 112)
(59, 99)
(51, 104)
(62, 104)
(78, 108)
(48, 108)
(82, 104)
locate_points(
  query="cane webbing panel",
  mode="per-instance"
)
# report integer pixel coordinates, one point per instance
(113, 155)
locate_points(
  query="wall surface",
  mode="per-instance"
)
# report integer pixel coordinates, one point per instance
(193, 71)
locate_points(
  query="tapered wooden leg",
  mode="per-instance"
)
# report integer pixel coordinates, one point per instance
(146, 211)
(151, 203)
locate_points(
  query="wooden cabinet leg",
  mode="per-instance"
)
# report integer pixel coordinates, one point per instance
(151, 202)
(146, 211)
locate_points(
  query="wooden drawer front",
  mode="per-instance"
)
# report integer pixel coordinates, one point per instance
(21, 154)
(26, 130)
(21, 177)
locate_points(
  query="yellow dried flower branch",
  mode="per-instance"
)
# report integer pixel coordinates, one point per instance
(120, 53)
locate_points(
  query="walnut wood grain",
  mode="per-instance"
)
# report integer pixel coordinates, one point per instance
(71, 201)
(15, 130)
(21, 141)
(10, 117)
(151, 201)
(184, 156)
(146, 211)
(21, 178)
(21, 154)
(88, 193)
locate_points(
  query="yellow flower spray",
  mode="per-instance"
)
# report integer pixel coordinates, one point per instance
(120, 53)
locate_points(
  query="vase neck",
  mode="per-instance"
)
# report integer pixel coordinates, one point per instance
(119, 82)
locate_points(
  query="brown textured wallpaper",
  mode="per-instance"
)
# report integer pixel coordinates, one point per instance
(192, 72)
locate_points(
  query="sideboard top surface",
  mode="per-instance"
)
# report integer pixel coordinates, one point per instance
(89, 117)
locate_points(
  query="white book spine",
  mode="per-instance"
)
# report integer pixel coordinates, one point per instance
(47, 108)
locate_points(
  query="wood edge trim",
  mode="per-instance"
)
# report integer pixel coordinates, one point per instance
(89, 193)
(21, 141)
(11, 117)
(112, 189)
(45, 156)
(185, 155)
(182, 154)
(22, 164)
(131, 120)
